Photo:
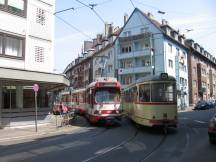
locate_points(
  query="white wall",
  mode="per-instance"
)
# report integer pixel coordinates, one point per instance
(40, 35)
(12, 24)
(35, 34)
(30, 63)
(12, 63)
(172, 71)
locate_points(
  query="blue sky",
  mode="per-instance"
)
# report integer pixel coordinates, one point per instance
(199, 15)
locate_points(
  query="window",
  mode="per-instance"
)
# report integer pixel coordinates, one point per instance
(17, 7)
(144, 30)
(109, 68)
(2, 2)
(144, 93)
(39, 54)
(11, 46)
(194, 70)
(163, 92)
(1, 44)
(126, 63)
(126, 79)
(177, 52)
(171, 63)
(194, 83)
(40, 16)
(110, 54)
(127, 33)
(141, 45)
(126, 49)
(169, 47)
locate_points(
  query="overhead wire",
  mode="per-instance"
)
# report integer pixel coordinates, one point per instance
(70, 25)
(91, 6)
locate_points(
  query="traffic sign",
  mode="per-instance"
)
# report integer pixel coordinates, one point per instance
(35, 87)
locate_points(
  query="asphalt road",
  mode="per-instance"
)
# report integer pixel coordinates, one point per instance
(125, 143)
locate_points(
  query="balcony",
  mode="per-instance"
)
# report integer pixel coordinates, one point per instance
(134, 70)
(133, 54)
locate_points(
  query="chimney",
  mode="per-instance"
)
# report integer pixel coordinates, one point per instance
(87, 45)
(164, 22)
(150, 15)
(110, 30)
(125, 18)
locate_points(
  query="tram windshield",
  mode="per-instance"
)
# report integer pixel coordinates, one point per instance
(105, 95)
(163, 92)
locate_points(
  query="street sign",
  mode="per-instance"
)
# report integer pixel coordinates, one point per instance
(35, 87)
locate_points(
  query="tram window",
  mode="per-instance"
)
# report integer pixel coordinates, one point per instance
(144, 93)
(163, 92)
(107, 95)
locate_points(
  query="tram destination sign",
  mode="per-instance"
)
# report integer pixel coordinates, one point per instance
(164, 76)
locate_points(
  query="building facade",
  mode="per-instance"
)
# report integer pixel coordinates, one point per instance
(143, 47)
(146, 47)
(201, 72)
(26, 54)
(98, 59)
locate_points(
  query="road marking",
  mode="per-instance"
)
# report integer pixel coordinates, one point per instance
(187, 140)
(198, 121)
(104, 151)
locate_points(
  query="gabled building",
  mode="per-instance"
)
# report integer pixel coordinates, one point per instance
(146, 47)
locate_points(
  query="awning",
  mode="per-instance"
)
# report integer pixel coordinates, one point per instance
(10, 76)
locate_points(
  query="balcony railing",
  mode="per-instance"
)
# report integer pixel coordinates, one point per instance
(133, 70)
(133, 54)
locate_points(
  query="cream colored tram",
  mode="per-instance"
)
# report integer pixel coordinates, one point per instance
(151, 101)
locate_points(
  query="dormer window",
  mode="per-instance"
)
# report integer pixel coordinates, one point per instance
(168, 30)
(175, 35)
(169, 48)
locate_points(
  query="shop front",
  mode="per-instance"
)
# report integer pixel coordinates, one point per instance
(17, 97)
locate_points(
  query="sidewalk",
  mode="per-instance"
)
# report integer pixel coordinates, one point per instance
(29, 132)
(187, 109)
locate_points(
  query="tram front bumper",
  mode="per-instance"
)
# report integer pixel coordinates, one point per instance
(164, 122)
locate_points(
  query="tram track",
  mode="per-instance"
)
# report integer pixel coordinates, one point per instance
(113, 148)
(155, 148)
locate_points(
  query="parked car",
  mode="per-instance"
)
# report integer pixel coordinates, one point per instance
(60, 108)
(202, 105)
(212, 130)
(211, 103)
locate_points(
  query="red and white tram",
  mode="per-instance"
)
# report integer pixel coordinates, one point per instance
(102, 100)
(74, 100)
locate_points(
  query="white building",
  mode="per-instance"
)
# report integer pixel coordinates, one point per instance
(26, 53)
(147, 47)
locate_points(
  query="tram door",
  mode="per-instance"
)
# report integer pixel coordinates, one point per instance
(90, 102)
